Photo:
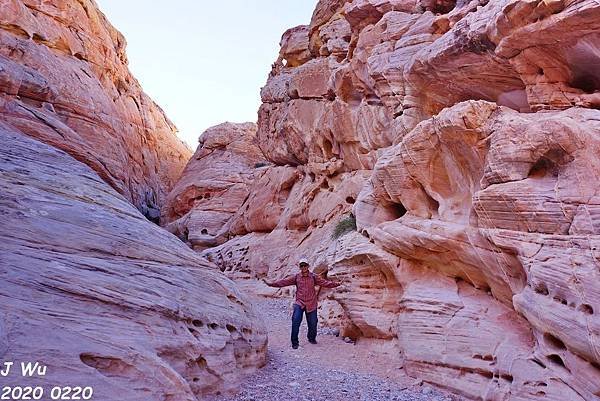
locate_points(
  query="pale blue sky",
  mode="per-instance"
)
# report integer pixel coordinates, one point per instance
(204, 62)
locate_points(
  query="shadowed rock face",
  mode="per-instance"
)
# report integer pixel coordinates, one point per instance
(64, 81)
(463, 137)
(105, 298)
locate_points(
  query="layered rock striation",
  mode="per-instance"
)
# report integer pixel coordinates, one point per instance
(64, 81)
(463, 138)
(103, 297)
(89, 287)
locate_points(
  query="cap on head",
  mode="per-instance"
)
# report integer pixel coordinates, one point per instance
(303, 261)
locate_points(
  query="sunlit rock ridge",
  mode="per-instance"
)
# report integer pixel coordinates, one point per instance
(464, 138)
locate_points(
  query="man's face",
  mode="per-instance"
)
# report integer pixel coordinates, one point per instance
(303, 268)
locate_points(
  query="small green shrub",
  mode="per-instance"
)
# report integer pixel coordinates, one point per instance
(344, 226)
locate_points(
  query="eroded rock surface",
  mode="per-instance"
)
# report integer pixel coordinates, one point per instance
(104, 297)
(463, 136)
(64, 81)
(89, 286)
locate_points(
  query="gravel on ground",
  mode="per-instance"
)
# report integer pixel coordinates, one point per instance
(330, 370)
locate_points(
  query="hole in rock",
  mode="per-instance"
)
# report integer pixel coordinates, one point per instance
(204, 231)
(197, 323)
(541, 289)
(542, 168)
(348, 92)
(585, 308)
(350, 200)
(442, 6)
(294, 94)
(557, 360)
(213, 325)
(595, 365)
(107, 366)
(38, 38)
(195, 379)
(327, 148)
(201, 362)
(560, 299)
(540, 363)
(434, 205)
(554, 341)
(231, 328)
(550, 162)
(507, 377)
(586, 82)
(397, 209)
(184, 235)
(246, 330)
(487, 374)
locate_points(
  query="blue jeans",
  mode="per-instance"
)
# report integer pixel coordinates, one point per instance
(311, 319)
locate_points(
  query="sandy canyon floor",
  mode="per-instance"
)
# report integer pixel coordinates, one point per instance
(329, 370)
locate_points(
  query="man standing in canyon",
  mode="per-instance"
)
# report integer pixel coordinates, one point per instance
(306, 299)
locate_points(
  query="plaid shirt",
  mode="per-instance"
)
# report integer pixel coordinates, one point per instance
(306, 296)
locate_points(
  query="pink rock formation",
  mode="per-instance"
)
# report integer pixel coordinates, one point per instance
(64, 81)
(105, 298)
(201, 204)
(463, 137)
(89, 287)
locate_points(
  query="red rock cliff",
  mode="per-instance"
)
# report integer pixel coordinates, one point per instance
(64, 81)
(463, 136)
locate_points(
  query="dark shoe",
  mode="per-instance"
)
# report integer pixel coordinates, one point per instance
(295, 346)
(312, 341)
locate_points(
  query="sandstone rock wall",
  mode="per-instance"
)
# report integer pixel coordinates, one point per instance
(463, 136)
(88, 286)
(105, 298)
(64, 81)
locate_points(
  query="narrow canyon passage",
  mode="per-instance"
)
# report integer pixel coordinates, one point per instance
(438, 159)
(329, 370)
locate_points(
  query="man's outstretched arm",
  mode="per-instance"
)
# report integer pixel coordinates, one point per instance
(282, 283)
(326, 283)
